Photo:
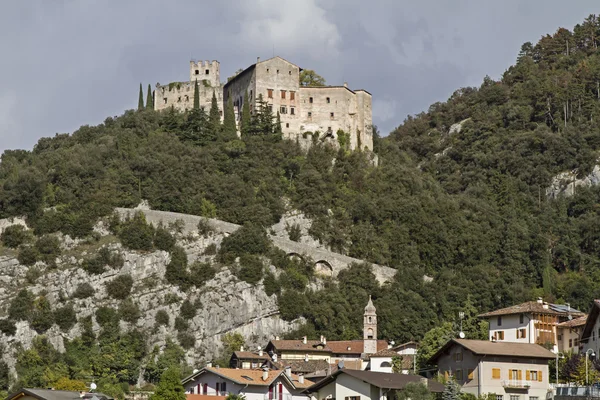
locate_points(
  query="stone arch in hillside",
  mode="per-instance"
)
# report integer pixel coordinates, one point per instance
(323, 267)
(296, 256)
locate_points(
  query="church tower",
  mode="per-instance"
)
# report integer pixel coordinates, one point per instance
(370, 328)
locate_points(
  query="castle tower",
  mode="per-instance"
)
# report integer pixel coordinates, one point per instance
(370, 328)
(206, 72)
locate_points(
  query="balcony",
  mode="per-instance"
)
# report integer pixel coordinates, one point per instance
(516, 384)
(277, 396)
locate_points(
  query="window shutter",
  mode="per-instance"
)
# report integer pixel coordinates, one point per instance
(224, 387)
(519, 375)
(470, 373)
(510, 374)
(270, 391)
(217, 388)
(496, 373)
(198, 390)
(539, 376)
(527, 375)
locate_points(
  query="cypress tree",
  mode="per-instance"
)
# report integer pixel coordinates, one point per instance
(245, 120)
(229, 127)
(278, 124)
(196, 97)
(149, 99)
(141, 99)
(214, 116)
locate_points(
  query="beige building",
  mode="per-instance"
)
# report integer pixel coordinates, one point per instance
(534, 322)
(304, 110)
(511, 371)
(180, 95)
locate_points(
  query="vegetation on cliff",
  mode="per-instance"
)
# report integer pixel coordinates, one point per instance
(464, 205)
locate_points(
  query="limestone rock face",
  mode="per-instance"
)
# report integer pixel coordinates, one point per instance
(566, 183)
(227, 304)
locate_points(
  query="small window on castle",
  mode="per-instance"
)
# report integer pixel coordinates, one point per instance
(287, 124)
(290, 72)
(187, 98)
(309, 113)
(310, 100)
(292, 111)
(283, 94)
(331, 115)
(292, 95)
(269, 93)
(328, 100)
(206, 72)
(267, 69)
(277, 71)
(251, 94)
(165, 99)
(197, 72)
(179, 99)
(283, 110)
(270, 107)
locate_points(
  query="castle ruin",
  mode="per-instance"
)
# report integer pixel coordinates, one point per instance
(302, 109)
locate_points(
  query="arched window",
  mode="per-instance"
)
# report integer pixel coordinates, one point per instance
(385, 364)
(369, 319)
(370, 333)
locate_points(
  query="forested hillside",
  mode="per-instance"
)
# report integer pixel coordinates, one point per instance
(466, 206)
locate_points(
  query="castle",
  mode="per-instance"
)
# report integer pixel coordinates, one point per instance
(302, 109)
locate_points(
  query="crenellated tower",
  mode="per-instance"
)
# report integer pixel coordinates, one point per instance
(207, 72)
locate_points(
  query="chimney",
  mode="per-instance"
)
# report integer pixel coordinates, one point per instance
(208, 365)
(306, 358)
(265, 374)
(241, 348)
(288, 371)
(304, 339)
(424, 381)
(260, 352)
(257, 60)
(345, 84)
(540, 300)
(545, 306)
(300, 378)
(276, 337)
(324, 340)
(275, 357)
(321, 338)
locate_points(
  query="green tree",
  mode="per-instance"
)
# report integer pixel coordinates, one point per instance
(169, 387)
(196, 96)
(278, 129)
(214, 116)
(433, 340)
(414, 391)
(451, 391)
(308, 77)
(141, 99)
(397, 364)
(149, 99)
(229, 126)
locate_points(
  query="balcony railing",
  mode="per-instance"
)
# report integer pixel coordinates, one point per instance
(277, 396)
(516, 384)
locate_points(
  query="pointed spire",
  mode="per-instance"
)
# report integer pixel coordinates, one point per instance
(370, 308)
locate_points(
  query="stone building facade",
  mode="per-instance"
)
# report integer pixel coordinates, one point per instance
(180, 95)
(322, 111)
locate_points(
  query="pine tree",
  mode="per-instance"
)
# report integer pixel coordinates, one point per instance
(229, 127)
(245, 120)
(141, 99)
(169, 387)
(214, 116)
(196, 96)
(149, 99)
(451, 391)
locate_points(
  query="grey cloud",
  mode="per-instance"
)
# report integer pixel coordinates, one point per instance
(73, 62)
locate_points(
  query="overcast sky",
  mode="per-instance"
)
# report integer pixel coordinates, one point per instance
(66, 63)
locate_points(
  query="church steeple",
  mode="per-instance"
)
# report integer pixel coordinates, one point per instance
(370, 328)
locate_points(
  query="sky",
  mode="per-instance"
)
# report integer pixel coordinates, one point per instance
(67, 63)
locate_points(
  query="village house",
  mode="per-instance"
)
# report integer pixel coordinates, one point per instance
(249, 359)
(350, 384)
(511, 371)
(535, 322)
(590, 335)
(51, 394)
(212, 383)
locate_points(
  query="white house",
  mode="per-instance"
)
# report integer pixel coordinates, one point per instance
(351, 384)
(258, 384)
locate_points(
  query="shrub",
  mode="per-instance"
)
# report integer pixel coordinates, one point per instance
(129, 311)
(21, 305)
(186, 340)
(42, 317)
(65, 317)
(136, 233)
(271, 284)
(120, 287)
(205, 227)
(251, 269)
(249, 239)
(107, 316)
(201, 272)
(163, 240)
(293, 279)
(211, 249)
(97, 264)
(161, 318)
(181, 324)
(84, 291)
(94, 266)
(32, 274)
(28, 255)
(14, 236)
(292, 304)
(48, 247)
(176, 271)
(8, 327)
(294, 232)
(171, 298)
(187, 310)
